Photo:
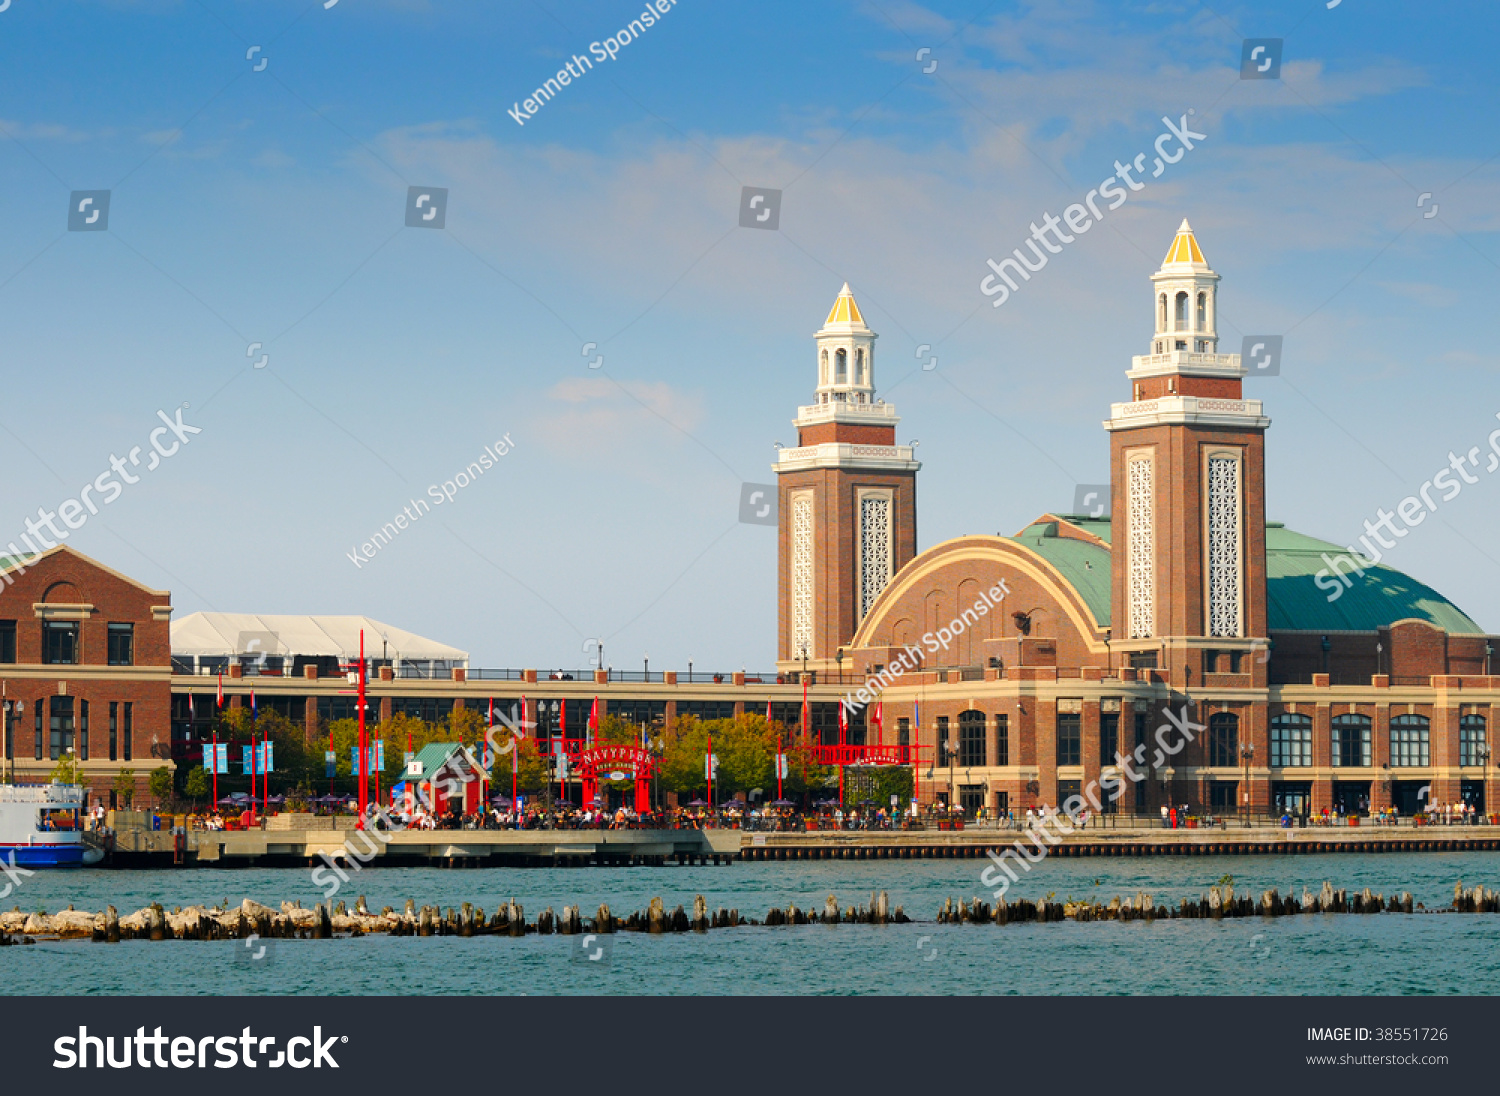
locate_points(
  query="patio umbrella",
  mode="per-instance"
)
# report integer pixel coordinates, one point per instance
(697, 803)
(782, 803)
(226, 802)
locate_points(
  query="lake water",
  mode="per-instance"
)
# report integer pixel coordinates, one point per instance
(1320, 954)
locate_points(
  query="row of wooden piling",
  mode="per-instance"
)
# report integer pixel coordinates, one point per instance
(1219, 902)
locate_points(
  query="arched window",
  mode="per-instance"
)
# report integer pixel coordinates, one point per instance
(1223, 739)
(971, 745)
(859, 366)
(1410, 741)
(840, 366)
(1202, 312)
(823, 368)
(1471, 740)
(1161, 319)
(1291, 741)
(1351, 741)
(1181, 317)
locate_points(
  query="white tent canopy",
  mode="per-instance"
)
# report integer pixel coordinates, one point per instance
(236, 635)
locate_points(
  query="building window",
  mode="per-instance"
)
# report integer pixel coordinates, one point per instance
(114, 730)
(874, 548)
(943, 757)
(122, 644)
(802, 575)
(1291, 741)
(1069, 738)
(40, 708)
(7, 641)
(60, 643)
(1139, 480)
(1223, 739)
(83, 730)
(841, 366)
(62, 726)
(1409, 741)
(971, 749)
(1143, 660)
(127, 736)
(1180, 319)
(1471, 740)
(1224, 546)
(1109, 737)
(903, 732)
(1351, 741)
(1002, 740)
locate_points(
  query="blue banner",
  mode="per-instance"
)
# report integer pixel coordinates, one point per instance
(263, 759)
(375, 754)
(219, 763)
(330, 761)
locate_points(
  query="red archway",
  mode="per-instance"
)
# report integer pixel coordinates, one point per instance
(607, 761)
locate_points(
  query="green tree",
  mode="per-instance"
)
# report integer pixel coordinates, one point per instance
(125, 787)
(68, 770)
(161, 784)
(531, 777)
(197, 785)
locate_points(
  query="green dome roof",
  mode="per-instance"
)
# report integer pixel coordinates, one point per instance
(1295, 602)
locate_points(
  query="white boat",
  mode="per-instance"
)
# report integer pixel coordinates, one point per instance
(41, 826)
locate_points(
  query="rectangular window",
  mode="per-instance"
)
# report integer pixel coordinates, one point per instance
(40, 710)
(1409, 741)
(942, 741)
(114, 730)
(125, 730)
(1352, 741)
(971, 744)
(1471, 740)
(1069, 738)
(61, 710)
(1002, 740)
(60, 643)
(7, 641)
(1143, 660)
(903, 732)
(83, 730)
(122, 644)
(1291, 742)
(1109, 737)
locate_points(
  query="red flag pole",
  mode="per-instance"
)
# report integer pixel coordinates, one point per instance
(265, 776)
(364, 757)
(708, 771)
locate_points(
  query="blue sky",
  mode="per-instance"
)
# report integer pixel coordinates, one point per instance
(267, 206)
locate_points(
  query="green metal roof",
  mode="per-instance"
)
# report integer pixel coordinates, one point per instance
(1382, 596)
(431, 757)
(1084, 565)
(1295, 601)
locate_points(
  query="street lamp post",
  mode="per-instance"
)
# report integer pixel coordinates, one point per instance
(1247, 752)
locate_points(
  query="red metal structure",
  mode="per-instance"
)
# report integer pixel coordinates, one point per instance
(600, 761)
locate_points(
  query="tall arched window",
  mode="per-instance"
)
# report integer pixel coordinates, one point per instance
(840, 366)
(859, 366)
(1351, 741)
(1202, 312)
(1410, 741)
(1181, 318)
(823, 368)
(1223, 739)
(971, 745)
(1161, 322)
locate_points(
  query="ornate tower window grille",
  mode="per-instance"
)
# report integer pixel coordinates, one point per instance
(1142, 549)
(874, 549)
(802, 574)
(1224, 546)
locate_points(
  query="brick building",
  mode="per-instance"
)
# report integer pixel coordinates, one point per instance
(86, 667)
(1181, 598)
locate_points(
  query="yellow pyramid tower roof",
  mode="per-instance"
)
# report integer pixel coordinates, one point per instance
(1184, 247)
(844, 309)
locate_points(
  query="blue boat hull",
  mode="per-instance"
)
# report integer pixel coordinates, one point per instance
(44, 856)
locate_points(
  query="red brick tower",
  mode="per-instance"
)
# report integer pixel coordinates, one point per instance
(1187, 463)
(848, 499)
